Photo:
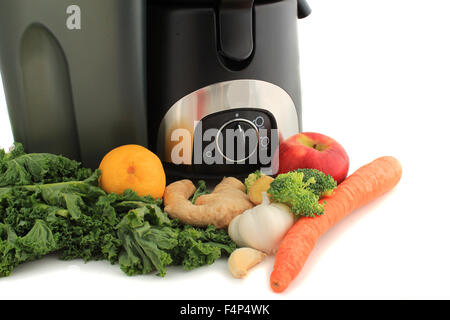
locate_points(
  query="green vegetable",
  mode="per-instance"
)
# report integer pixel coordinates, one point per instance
(18, 168)
(301, 191)
(68, 211)
(324, 184)
(198, 247)
(145, 246)
(154, 247)
(38, 242)
(292, 190)
(201, 190)
(251, 179)
(51, 204)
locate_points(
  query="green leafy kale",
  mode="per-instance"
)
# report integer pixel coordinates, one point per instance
(50, 204)
(14, 250)
(18, 168)
(198, 247)
(149, 247)
(201, 190)
(145, 246)
(69, 211)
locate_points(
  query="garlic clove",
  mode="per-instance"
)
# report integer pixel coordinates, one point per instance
(242, 260)
(234, 232)
(252, 232)
(264, 226)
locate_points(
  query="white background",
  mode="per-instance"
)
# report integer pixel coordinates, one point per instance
(376, 77)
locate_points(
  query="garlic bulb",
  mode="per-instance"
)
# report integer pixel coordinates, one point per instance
(262, 227)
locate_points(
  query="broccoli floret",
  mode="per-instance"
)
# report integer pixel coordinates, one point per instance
(325, 184)
(293, 190)
(251, 179)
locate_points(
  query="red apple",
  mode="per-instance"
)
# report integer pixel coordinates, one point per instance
(314, 151)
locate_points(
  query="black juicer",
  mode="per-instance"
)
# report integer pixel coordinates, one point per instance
(209, 85)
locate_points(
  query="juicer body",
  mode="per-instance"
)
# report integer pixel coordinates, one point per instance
(204, 72)
(74, 74)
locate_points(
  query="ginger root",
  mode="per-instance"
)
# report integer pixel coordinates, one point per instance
(219, 208)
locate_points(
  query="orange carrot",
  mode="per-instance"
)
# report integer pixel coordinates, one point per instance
(365, 185)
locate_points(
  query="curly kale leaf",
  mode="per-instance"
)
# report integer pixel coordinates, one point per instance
(149, 247)
(201, 190)
(15, 250)
(18, 168)
(198, 247)
(38, 242)
(145, 246)
(79, 227)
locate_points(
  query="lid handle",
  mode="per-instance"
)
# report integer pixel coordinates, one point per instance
(236, 28)
(304, 9)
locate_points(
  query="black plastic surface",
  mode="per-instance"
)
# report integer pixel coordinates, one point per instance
(235, 28)
(303, 8)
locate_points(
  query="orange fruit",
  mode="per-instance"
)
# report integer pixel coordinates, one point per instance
(133, 167)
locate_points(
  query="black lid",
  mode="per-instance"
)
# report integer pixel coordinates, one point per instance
(186, 2)
(303, 8)
(235, 23)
